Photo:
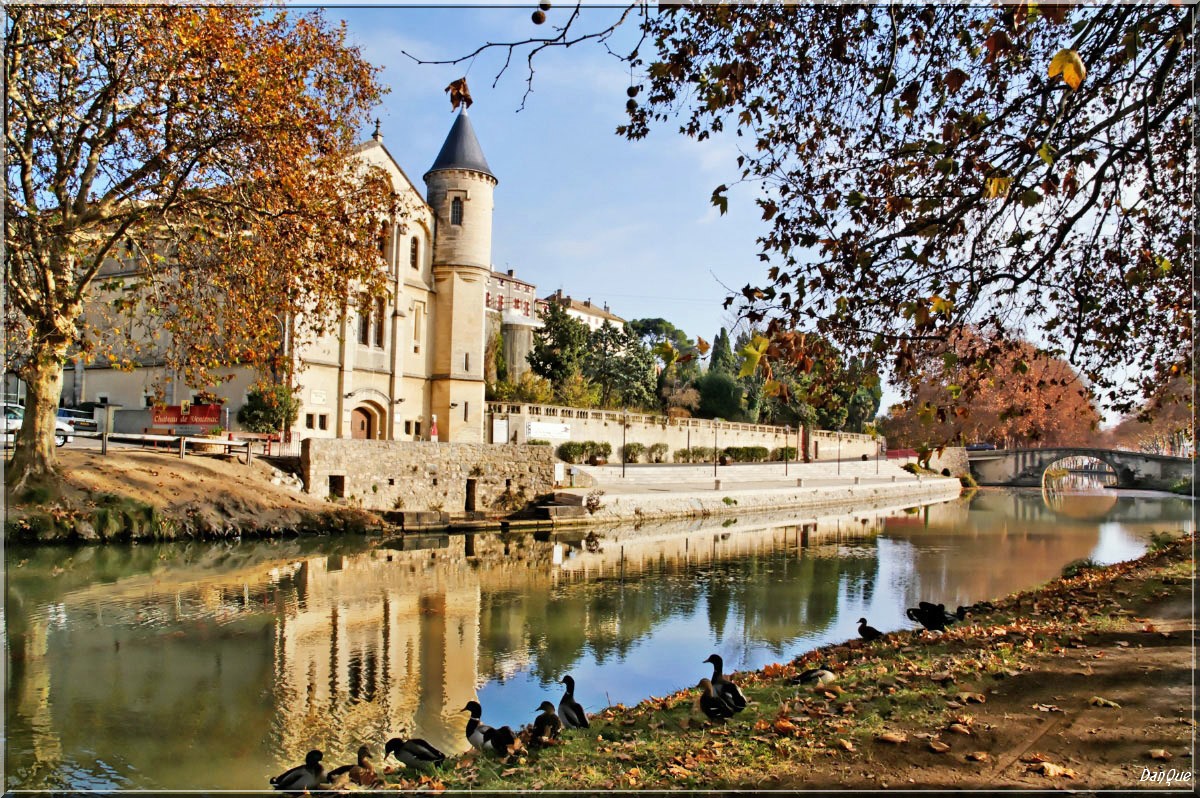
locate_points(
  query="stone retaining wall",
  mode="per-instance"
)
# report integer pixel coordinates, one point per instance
(518, 423)
(422, 475)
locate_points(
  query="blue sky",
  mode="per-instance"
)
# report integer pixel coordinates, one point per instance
(578, 207)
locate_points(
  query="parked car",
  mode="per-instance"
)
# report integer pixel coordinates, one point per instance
(981, 447)
(14, 415)
(78, 420)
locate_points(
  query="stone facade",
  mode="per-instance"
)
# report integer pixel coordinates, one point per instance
(422, 475)
(518, 423)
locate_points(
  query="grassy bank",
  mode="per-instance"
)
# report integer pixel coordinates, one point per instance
(915, 709)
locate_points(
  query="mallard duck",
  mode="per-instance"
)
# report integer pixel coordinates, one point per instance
(868, 633)
(484, 737)
(725, 690)
(819, 676)
(361, 773)
(302, 777)
(546, 725)
(570, 710)
(713, 707)
(413, 753)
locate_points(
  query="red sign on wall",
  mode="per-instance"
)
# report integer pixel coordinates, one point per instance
(198, 415)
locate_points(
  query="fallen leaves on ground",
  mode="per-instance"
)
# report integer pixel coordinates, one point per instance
(1160, 754)
(1052, 770)
(978, 756)
(938, 747)
(895, 738)
(1100, 701)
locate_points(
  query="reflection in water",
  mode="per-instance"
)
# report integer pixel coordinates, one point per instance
(212, 666)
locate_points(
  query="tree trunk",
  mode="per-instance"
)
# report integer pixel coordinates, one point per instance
(34, 459)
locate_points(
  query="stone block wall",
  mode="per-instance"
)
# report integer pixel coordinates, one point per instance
(422, 475)
(561, 424)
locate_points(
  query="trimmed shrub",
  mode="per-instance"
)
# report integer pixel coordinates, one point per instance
(746, 454)
(784, 453)
(633, 451)
(537, 442)
(657, 453)
(572, 451)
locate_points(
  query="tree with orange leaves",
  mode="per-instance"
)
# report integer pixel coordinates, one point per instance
(1022, 398)
(208, 146)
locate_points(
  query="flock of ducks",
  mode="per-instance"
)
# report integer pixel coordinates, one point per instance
(719, 700)
(417, 753)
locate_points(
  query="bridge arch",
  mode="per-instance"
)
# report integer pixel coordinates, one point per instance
(1026, 467)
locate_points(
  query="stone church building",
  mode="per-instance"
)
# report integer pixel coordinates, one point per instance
(409, 368)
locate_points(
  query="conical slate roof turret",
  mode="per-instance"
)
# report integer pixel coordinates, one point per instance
(461, 150)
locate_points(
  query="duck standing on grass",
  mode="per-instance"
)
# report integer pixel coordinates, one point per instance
(819, 676)
(362, 773)
(302, 777)
(570, 710)
(933, 621)
(546, 725)
(484, 737)
(710, 705)
(868, 633)
(413, 753)
(725, 690)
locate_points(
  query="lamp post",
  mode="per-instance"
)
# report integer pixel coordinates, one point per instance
(715, 422)
(787, 434)
(839, 454)
(624, 426)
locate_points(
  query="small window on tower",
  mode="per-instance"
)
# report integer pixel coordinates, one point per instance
(456, 210)
(414, 254)
(380, 308)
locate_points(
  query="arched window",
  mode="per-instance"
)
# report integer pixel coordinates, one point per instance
(414, 254)
(456, 210)
(383, 239)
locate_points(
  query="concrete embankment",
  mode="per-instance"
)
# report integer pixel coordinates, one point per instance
(692, 492)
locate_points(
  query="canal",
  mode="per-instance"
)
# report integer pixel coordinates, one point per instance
(193, 666)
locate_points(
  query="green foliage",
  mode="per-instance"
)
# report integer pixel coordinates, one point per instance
(720, 396)
(722, 361)
(784, 453)
(269, 409)
(1076, 567)
(657, 453)
(620, 366)
(529, 389)
(558, 346)
(537, 442)
(571, 451)
(632, 451)
(592, 501)
(746, 454)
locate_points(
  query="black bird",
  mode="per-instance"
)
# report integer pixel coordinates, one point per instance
(928, 615)
(302, 777)
(819, 676)
(484, 737)
(570, 710)
(940, 610)
(725, 690)
(362, 773)
(868, 633)
(547, 724)
(713, 707)
(413, 753)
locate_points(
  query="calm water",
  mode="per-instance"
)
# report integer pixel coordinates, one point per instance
(214, 666)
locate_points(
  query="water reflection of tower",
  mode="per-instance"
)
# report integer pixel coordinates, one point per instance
(374, 648)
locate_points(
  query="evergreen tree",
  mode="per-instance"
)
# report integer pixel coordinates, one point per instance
(558, 346)
(723, 360)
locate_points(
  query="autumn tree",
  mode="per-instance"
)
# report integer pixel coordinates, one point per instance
(1041, 401)
(1166, 425)
(207, 145)
(1021, 167)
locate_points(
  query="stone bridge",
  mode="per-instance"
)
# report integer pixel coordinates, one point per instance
(1025, 467)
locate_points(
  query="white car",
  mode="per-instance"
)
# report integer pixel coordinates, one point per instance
(15, 414)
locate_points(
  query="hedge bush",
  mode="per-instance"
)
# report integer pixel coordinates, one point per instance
(632, 451)
(746, 454)
(571, 451)
(784, 453)
(658, 453)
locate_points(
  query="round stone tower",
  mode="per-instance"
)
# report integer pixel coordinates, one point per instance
(459, 189)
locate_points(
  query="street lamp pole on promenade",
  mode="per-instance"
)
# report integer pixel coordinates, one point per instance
(715, 422)
(787, 434)
(624, 426)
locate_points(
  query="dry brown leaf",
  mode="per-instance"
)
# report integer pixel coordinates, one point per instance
(972, 698)
(942, 676)
(938, 747)
(1099, 701)
(845, 745)
(958, 728)
(895, 738)
(1160, 754)
(954, 705)
(509, 772)
(978, 756)
(1046, 708)
(1052, 770)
